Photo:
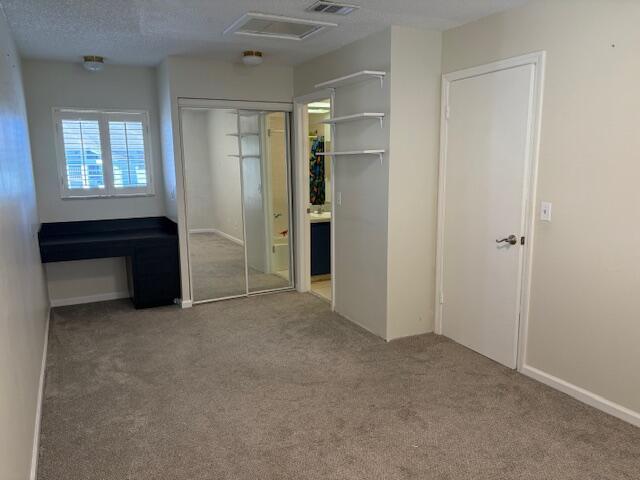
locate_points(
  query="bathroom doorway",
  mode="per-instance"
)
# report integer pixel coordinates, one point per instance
(320, 198)
(315, 196)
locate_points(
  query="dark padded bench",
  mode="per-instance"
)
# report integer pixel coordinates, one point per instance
(149, 244)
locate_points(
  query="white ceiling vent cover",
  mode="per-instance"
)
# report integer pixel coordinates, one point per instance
(332, 7)
(275, 26)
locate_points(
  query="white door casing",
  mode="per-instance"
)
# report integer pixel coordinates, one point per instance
(301, 172)
(487, 178)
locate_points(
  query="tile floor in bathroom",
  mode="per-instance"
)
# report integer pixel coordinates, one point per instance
(322, 287)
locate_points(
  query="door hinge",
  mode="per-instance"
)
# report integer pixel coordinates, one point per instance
(447, 112)
(441, 298)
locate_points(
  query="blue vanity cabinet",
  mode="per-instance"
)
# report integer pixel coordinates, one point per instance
(321, 248)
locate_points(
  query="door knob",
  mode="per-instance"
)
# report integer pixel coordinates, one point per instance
(511, 240)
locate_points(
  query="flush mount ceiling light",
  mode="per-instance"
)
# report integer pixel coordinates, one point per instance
(334, 8)
(275, 26)
(251, 58)
(93, 63)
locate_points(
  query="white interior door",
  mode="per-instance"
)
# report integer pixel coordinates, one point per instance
(485, 180)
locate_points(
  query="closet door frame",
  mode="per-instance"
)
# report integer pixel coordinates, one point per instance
(207, 104)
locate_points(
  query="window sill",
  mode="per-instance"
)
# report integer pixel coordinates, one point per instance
(118, 195)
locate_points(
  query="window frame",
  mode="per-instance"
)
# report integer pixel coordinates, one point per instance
(103, 117)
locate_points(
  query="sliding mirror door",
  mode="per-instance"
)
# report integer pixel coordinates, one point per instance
(264, 147)
(214, 203)
(238, 201)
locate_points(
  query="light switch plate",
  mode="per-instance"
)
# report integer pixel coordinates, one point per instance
(545, 211)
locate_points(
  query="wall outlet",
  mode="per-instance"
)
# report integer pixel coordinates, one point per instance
(545, 211)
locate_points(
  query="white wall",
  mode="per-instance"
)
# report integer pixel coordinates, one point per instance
(168, 123)
(385, 227)
(199, 78)
(24, 311)
(583, 326)
(60, 84)
(195, 128)
(361, 221)
(225, 174)
(413, 180)
(84, 281)
(212, 178)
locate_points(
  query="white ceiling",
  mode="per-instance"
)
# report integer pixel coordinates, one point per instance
(143, 32)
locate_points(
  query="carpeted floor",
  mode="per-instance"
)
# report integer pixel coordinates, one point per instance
(217, 269)
(277, 387)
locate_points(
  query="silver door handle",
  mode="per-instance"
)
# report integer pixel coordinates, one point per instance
(511, 240)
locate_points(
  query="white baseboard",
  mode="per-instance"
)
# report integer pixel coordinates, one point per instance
(217, 232)
(186, 303)
(585, 396)
(100, 297)
(36, 429)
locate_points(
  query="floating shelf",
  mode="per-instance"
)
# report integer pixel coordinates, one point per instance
(248, 134)
(355, 117)
(245, 156)
(380, 153)
(363, 76)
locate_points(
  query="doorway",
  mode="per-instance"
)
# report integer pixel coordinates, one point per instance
(237, 195)
(320, 198)
(486, 205)
(315, 196)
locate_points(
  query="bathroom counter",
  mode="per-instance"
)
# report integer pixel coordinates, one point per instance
(320, 217)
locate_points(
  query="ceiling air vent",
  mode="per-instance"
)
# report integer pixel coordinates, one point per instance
(332, 7)
(275, 26)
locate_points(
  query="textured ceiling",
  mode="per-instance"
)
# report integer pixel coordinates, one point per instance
(143, 32)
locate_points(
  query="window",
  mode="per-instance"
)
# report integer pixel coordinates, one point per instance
(103, 154)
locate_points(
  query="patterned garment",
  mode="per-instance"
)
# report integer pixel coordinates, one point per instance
(316, 172)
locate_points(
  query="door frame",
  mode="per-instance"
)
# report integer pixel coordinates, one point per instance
(301, 182)
(537, 59)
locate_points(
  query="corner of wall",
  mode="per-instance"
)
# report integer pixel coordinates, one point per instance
(166, 138)
(413, 169)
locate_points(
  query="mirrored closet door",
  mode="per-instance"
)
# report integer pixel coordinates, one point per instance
(236, 165)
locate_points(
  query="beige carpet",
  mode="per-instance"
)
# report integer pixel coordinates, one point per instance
(277, 387)
(217, 269)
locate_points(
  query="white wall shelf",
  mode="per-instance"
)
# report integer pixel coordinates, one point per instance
(363, 76)
(355, 117)
(245, 156)
(248, 134)
(380, 153)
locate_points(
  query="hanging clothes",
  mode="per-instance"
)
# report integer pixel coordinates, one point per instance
(316, 172)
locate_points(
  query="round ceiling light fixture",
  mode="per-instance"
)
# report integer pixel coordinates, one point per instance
(252, 57)
(93, 63)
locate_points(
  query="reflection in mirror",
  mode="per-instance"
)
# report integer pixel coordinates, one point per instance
(266, 199)
(214, 203)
